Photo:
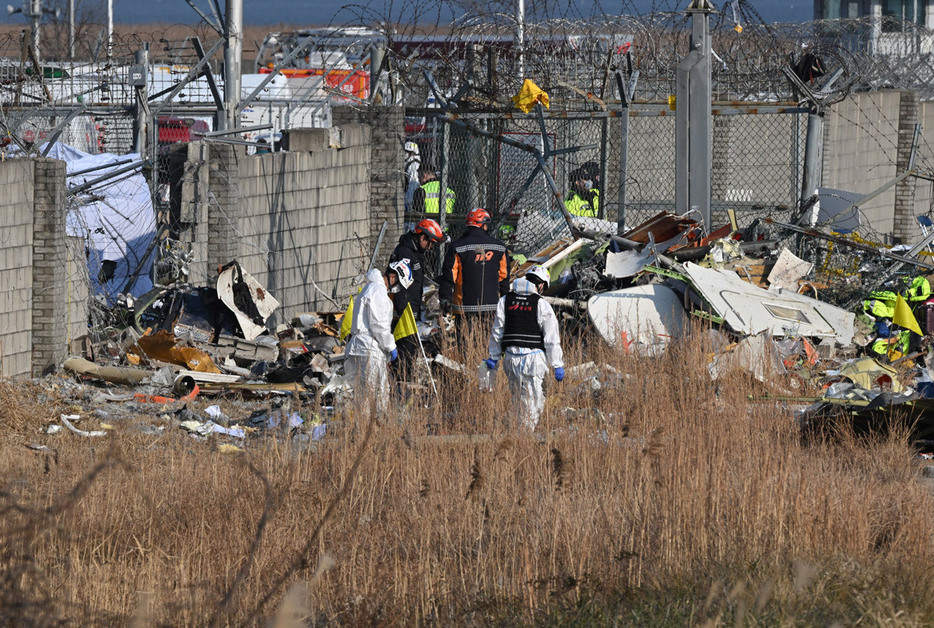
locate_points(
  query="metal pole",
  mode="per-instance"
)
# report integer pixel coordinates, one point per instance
(842, 241)
(376, 62)
(813, 158)
(233, 53)
(35, 17)
(443, 192)
(701, 124)
(71, 30)
(520, 36)
(379, 243)
(694, 132)
(110, 31)
(142, 102)
(623, 155)
(604, 140)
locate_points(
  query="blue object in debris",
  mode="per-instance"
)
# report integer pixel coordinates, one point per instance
(319, 431)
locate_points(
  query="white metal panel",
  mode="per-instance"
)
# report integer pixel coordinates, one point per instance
(643, 319)
(749, 309)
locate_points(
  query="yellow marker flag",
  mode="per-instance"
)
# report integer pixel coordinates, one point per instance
(903, 316)
(346, 321)
(406, 325)
(529, 95)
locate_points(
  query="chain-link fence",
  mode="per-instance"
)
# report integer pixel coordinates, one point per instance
(756, 171)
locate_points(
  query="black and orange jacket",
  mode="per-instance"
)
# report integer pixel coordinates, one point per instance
(475, 272)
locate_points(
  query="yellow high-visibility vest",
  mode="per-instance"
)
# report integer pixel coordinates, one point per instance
(433, 197)
(578, 206)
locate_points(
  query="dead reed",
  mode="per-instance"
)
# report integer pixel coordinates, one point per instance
(660, 498)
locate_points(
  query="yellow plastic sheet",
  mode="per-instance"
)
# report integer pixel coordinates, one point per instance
(529, 95)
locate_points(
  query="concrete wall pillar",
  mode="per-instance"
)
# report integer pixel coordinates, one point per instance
(189, 178)
(386, 167)
(50, 306)
(905, 230)
(224, 205)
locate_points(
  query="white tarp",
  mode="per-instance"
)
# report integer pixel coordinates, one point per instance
(115, 218)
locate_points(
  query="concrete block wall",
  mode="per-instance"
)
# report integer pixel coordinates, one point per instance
(924, 190)
(386, 166)
(77, 288)
(16, 261)
(304, 219)
(43, 273)
(49, 330)
(861, 139)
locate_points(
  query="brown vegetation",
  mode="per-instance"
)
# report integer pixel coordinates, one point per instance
(675, 501)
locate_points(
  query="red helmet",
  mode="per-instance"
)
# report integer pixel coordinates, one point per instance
(430, 229)
(479, 217)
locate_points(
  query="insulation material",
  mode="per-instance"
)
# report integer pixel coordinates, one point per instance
(162, 346)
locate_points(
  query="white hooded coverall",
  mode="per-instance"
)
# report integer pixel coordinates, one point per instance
(412, 164)
(371, 341)
(526, 368)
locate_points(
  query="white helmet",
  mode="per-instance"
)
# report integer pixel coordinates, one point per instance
(403, 272)
(411, 147)
(539, 272)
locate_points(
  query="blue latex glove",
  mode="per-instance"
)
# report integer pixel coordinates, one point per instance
(491, 363)
(393, 355)
(559, 374)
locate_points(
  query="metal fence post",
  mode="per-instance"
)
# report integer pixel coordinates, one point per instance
(443, 192)
(142, 102)
(623, 155)
(604, 139)
(813, 161)
(693, 114)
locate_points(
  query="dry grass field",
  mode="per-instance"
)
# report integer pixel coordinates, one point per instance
(674, 501)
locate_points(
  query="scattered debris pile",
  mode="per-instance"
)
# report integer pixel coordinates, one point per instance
(179, 342)
(850, 338)
(829, 340)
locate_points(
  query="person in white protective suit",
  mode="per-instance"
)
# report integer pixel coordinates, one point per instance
(525, 335)
(413, 162)
(371, 343)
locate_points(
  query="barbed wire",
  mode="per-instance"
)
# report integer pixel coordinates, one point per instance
(567, 52)
(748, 61)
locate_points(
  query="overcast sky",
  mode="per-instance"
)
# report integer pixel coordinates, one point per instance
(299, 13)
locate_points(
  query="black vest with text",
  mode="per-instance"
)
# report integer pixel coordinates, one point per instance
(521, 327)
